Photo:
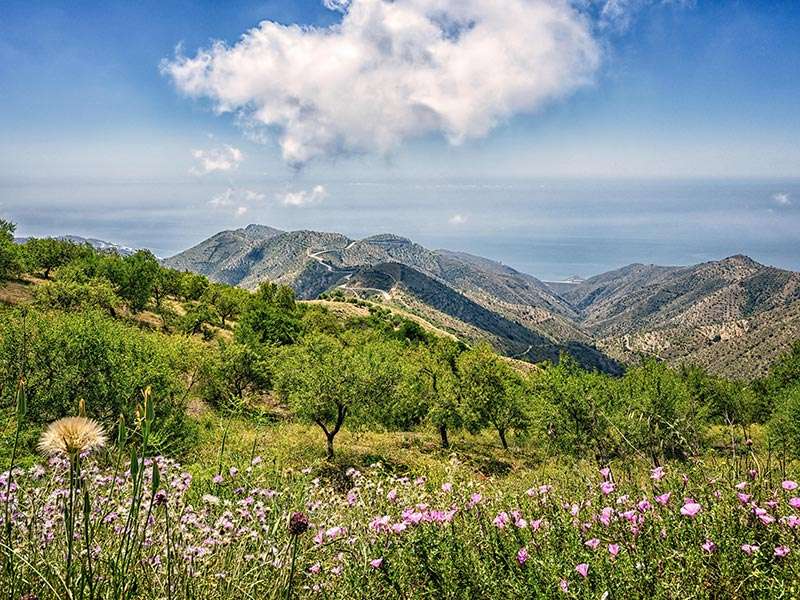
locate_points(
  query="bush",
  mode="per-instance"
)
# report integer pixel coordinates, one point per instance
(74, 295)
(67, 357)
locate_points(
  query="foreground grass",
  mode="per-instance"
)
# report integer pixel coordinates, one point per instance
(395, 517)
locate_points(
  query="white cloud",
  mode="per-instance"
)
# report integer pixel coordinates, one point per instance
(782, 199)
(304, 197)
(457, 219)
(394, 70)
(225, 158)
(236, 197)
(337, 5)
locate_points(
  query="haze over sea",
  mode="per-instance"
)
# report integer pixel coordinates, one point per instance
(550, 228)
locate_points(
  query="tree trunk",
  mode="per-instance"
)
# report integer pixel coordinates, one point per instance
(443, 434)
(329, 437)
(502, 433)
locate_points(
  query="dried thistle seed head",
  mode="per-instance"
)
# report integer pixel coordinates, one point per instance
(72, 435)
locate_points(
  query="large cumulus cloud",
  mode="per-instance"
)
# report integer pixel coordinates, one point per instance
(393, 70)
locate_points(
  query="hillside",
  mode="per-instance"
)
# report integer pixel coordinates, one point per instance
(472, 296)
(732, 316)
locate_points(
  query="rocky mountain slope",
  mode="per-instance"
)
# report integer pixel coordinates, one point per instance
(519, 313)
(733, 315)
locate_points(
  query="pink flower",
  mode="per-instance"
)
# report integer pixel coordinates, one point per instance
(399, 527)
(605, 515)
(474, 500)
(741, 485)
(749, 549)
(392, 495)
(582, 569)
(743, 498)
(545, 489)
(607, 487)
(644, 506)
(315, 568)
(657, 474)
(709, 546)
(563, 585)
(376, 563)
(592, 543)
(217, 479)
(447, 487)
(794, 502)
(522, 555)
(605, 472)
(690, 509)
(663, 499)
(613, 549)
(501, 520)
(532, 492)
(789, 485)
(535, 525)
(781, 551)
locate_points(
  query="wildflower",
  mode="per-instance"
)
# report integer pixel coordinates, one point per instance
(420, 481)
(233, 471)
(447, 487)
(160, 498)
(605, 472)
(592, 543)
(352, 497)
(663, 499)
(613, 549)
(789, 485)
(501, 520)
(306, 470)
(522, 556)
(256, 461)
(315, 568)
(392, 495)
(334, 532)
(743, 498)
(217, 479)
(536, 524)
(741, 485)
(607, 487)
(749, 549)
(644, 506)
(582, 569)
(781, 551)
(545, 489)
(298, 523)
(794, 502)
(563, 585)
(691, 509)
(474, 500)
(72, 435)
(709, 546)
(657, 474)
(376, 563)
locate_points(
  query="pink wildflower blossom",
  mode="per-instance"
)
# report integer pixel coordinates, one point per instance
(592, 543)
(613, 549)
(583, 570)
(376, 563)
(781, 551)
(657, 474)
(789, 485)
(522, 556)
(691, 509)
(749, 549)
(709, 546)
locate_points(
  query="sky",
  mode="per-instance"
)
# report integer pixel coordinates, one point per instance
(558, 137)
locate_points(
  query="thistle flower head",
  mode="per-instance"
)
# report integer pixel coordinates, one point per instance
(72, 435)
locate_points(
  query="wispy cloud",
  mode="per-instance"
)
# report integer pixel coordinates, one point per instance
(239, 200)
(457, 219)
(304, 197)
(225, 158)
(394, 70)
(782, 199)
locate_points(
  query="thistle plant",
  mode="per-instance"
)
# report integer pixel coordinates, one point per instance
(74, 437)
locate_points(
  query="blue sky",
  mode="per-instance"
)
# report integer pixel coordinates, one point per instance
(94, 126)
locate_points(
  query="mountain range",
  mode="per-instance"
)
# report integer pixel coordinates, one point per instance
(732, 316)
